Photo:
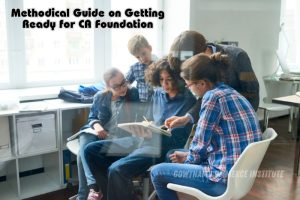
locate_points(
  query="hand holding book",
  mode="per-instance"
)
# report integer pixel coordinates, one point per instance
(144, 128)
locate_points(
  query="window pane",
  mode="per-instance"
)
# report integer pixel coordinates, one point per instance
(59, 55)
(4, 76)
(292, 30)
(121, 57)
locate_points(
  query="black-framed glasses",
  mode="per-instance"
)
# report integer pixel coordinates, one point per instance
(123, 84)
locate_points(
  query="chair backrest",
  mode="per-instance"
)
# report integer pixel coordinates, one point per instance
(73, 146)
(242, 175)
(191, 136)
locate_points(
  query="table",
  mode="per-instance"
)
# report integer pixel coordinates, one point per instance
(293, 100)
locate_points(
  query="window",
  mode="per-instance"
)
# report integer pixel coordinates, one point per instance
(289, 45)
(4, 74)
(42, 57)
(59, 55)
(120, 56)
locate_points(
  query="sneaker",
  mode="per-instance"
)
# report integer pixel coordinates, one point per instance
(93, 195)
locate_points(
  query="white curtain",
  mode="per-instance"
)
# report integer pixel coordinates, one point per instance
(289, 35)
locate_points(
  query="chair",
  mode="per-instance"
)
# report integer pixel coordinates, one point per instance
(73, 146)
(276, 89)
(237, 186)
(269, 107)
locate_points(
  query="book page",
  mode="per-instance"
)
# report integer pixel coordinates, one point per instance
(87, 130)
(129, 127)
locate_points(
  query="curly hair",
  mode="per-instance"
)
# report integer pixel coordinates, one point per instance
(152, 74)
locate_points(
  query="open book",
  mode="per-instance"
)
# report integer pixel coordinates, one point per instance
(87, 130)
(129, 127)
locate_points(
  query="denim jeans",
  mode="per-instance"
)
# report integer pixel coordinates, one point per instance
(183, 174)
(115, 165)
(84, 173)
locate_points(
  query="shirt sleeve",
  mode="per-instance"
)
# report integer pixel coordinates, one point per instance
(94, 112)
(248, 81)
(130, 75)
(193, 113)
(209, 118)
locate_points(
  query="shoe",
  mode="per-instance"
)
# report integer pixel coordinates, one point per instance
(93, 195)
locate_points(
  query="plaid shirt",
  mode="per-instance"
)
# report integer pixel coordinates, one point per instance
(137, 73)
(226, 126)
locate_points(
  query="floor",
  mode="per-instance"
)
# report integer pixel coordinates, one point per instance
(275, 182)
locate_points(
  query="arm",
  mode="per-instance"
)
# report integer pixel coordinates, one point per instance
(248, 81)
(130, 75)
(209, 118)
(194, 111)
(192, 116)
(93, 120)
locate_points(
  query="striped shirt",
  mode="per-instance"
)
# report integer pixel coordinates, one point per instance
(227, 124)
(137, 73)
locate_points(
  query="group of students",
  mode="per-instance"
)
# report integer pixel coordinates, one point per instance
(222, 79)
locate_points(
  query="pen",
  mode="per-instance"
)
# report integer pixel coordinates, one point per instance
(145, 119)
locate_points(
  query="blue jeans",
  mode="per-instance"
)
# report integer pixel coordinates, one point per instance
(183, 174)
(84, 173)
(114, 166)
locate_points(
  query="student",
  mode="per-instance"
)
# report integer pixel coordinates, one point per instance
(239, 75)
(114, 172)
(109, 108)
(227, 124)
(139, 47)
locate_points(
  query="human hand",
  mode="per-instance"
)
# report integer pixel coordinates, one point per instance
(176, 121)
(178, 156)
(101, 133)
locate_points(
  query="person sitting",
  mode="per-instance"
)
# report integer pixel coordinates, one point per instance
(227, 124)
(110, 107)
(114, 165)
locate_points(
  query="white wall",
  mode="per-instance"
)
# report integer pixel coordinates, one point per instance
(177, 19)
(254, 24)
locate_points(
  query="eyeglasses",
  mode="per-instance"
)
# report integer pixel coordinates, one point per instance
(123, 84)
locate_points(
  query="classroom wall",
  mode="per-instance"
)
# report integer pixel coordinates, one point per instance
(254, 24)
(177, 19)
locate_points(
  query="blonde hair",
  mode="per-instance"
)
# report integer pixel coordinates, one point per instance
(136, 43)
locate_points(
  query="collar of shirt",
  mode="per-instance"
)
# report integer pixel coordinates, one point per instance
(165, 95)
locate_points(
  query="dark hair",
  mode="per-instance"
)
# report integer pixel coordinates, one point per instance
(152, 73)
(190, 42)
(109, 74)
(204, 67)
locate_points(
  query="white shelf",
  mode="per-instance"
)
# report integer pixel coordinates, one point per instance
(8, 190)
(40, 183)
(50, 159)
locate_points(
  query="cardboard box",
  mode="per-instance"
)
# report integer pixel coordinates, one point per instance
(36, 134)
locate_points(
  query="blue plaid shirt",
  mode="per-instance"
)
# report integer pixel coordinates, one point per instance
(137, 73)
(227, 124)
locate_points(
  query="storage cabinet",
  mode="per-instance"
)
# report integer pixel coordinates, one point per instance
(32, 148)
